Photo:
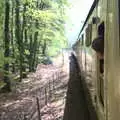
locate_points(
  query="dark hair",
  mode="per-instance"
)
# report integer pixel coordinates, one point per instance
(98, 44)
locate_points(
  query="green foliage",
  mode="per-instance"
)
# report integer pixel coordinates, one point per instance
(35, 29)
(27, 52)
(57, 44)
(2, 84)
(1, 23)
(51, 23)
(1, 59)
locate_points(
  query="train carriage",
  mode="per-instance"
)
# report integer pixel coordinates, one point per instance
(103, 20)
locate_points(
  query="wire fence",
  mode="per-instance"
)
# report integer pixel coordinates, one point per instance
(43, 96)
(31, 108)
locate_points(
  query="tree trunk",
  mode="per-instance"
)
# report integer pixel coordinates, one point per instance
(44, 48)
(35, 50)
(23, 46)
(31, 53)
(7, 42)
(12, 38)
(18, 38)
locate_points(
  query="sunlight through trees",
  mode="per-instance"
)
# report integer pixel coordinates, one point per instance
(29, 31)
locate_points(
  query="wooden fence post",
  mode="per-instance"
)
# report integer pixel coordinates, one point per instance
(50, 90)
(45, 96)
(38, 108)
(53, 82)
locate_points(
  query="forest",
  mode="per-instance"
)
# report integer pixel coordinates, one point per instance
(30, 31)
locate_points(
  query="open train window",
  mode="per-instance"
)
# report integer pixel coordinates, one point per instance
(101, 33)
(88, 35)
(101, 30)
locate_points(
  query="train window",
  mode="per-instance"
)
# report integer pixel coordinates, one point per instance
(88, 35)
(101, 33)
(90, 32)
(82, 38)
(101, 30)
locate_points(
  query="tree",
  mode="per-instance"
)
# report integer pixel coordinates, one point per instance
(33, 29)
(6, 42)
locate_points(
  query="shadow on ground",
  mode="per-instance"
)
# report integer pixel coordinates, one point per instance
(76, 107)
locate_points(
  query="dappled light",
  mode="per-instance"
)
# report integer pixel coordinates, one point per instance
(39, 73)
(48, 85)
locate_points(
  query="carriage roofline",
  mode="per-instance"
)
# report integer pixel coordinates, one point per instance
(89, 14)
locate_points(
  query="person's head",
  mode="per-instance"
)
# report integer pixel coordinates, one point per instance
(98, 46)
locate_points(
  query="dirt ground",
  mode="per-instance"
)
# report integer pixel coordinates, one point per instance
(53, 92)
(48, 83)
